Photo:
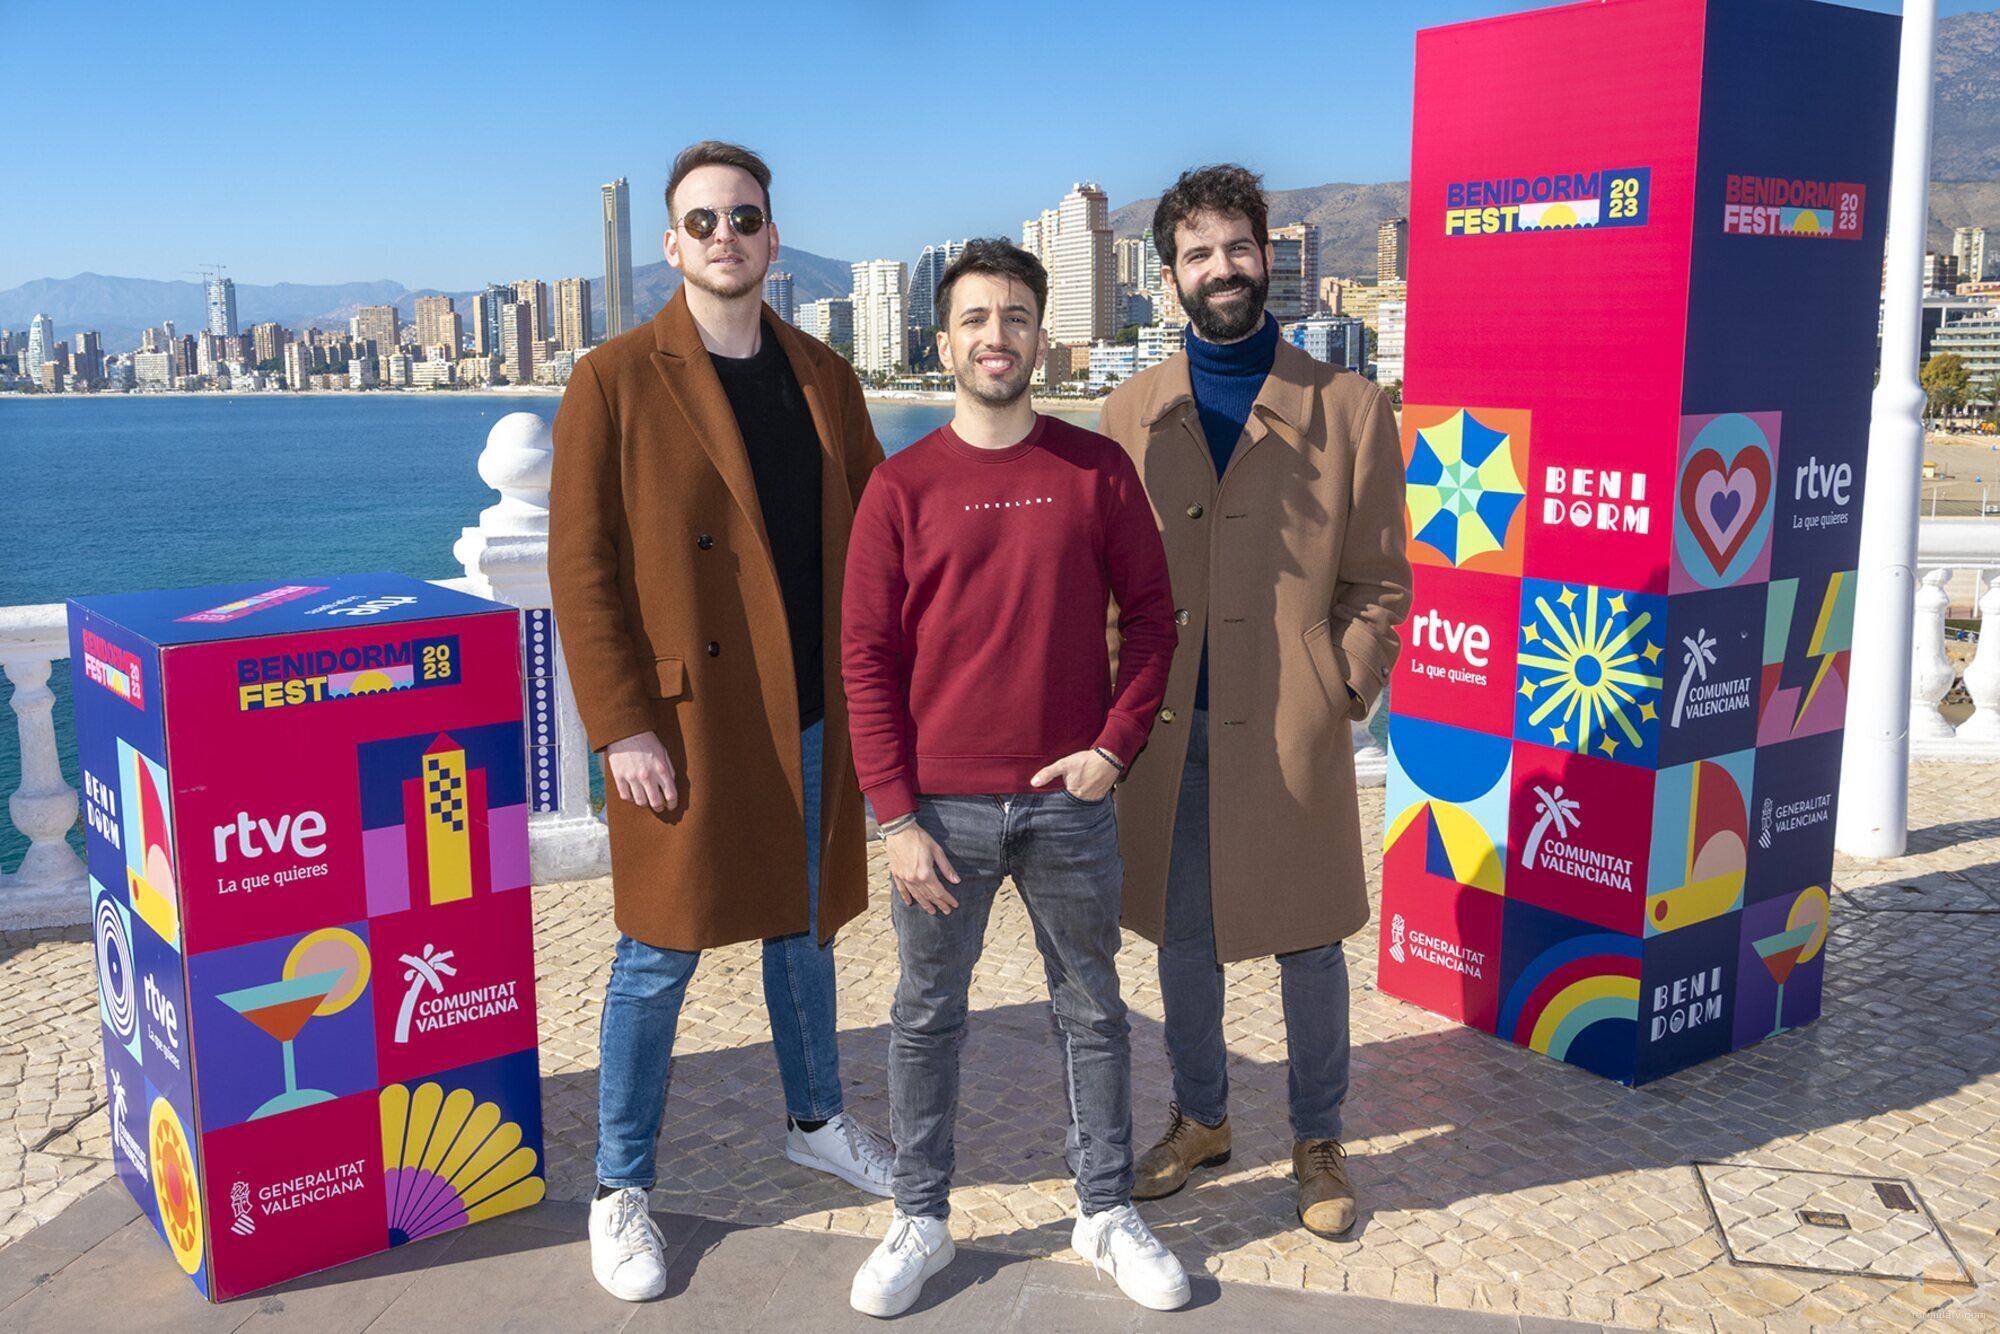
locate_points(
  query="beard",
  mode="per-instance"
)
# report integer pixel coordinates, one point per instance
(1213, 324)
(995, 392)
(727, 284)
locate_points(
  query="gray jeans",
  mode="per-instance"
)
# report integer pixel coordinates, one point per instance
(1313, 983)
(1063, 857)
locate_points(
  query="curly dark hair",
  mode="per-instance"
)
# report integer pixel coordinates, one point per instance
(1224, 188)
(715, 153)
(1000, 258)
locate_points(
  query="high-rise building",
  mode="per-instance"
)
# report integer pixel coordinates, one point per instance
(487, 308)
(1968, 247)
(1294, 271)
(618, 296)
(1389, 332)
(41, 346)
(380, 325)
(1129, 259)
(1392, 250)
(1084, 277)
(778, 294)
(1038, 238)
(573, 314)
(298, 365)
(831, 320)
(438, 324)
(536, 293)
(1940, 273)
(1150, 264)
(879, 323)
(268, 341)
(924, 279)
(221, 306)
(1338, 340)
(1975, 340)
(517, 341)
(86, 360)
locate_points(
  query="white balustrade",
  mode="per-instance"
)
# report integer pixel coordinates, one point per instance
(1952, 553)
(49, 887)
(1931, 672)
(506, 558)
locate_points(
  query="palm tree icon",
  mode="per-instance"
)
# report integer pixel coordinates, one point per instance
(1555, 809)
(1699, 658)
(428, 969)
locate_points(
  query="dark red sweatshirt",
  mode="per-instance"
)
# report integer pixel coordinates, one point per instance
(972, 623)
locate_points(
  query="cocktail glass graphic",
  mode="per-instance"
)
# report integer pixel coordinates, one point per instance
(1781, 953)
(281, 1009)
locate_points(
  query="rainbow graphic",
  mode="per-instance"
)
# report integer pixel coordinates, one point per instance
(146, 800)
(1570, 988)
(1701, 842)
(1449, 787)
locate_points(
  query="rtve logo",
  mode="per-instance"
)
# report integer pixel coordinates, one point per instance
(1438, 633)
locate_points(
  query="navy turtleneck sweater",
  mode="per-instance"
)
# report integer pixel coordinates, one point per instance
(1226, 378)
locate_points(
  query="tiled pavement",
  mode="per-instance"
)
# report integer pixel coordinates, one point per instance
(1493, 1180)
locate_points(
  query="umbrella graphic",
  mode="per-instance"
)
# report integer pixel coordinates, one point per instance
(1463, 491)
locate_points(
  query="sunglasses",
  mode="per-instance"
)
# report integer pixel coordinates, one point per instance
(744, 220)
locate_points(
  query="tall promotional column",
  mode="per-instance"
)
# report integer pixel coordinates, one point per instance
(1646, 245)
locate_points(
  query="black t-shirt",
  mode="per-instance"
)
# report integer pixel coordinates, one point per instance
(784, 451)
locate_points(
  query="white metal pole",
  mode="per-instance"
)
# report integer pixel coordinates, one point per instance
(1875, 772)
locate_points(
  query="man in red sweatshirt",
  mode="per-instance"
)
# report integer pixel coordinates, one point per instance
(988, 732)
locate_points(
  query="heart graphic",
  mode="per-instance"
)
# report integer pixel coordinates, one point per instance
(1722, 503)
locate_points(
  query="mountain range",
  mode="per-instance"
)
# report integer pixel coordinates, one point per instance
(1965, 191)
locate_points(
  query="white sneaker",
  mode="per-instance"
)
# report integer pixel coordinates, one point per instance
(892, 1280)
(848, 1150)
(1119, 1240)
(627, 1253)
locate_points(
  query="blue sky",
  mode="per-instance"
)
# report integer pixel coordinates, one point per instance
(324, 143)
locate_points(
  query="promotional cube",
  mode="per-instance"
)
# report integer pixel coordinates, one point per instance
(306, 818)
(1645, 250)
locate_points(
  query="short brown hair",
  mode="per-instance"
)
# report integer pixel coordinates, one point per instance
(1224, 188)
(1000, 258)
(715, 153)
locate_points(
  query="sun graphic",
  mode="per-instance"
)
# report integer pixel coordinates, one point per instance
(369, 683)
(1558, 215)
(1806, 224)
(1590, 675)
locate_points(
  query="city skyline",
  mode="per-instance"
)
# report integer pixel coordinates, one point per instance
(450, 221)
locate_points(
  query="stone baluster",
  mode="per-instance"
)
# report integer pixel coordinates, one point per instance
(506, 558)
(1371, 761)
(1979, 736)
(48, 888)
(1931, 672)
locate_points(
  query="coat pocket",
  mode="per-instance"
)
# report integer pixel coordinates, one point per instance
(669, 679)
(1325, 657)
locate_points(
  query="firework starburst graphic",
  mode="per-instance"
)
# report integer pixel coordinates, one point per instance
(1590, 675)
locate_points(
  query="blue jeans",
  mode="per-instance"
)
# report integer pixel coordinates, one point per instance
(1313, 984)
(642, 1009)
(1063, 856)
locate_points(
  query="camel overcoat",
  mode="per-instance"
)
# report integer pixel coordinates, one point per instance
(671, 620)
(1292, 567)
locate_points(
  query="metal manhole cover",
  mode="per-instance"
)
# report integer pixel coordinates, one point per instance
(1828, 1223)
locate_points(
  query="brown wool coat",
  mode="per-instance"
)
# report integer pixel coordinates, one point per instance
(1293, 568)
(663, 633)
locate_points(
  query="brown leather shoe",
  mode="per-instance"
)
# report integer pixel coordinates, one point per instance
(1326, 1196)
(1188, 1144)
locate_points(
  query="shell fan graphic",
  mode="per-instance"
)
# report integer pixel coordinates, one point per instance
(450, 1160)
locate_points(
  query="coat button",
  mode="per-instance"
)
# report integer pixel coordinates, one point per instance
(714, 649)
(1166, 715)
(1180, 616)
(1194, 511)
(704, 541)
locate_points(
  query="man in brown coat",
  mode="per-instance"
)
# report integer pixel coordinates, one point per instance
(1277, 482)
(707, 467)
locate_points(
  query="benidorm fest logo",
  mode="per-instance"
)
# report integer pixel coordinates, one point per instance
(1555, 201)
(1786, 206)
(315, 675)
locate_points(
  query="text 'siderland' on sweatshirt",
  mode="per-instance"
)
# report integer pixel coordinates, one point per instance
(972, 622)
